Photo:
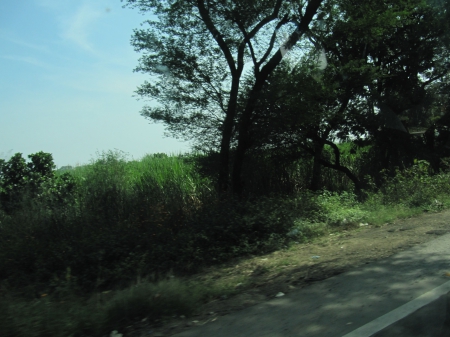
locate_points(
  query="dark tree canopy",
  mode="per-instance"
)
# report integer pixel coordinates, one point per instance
(382, 67)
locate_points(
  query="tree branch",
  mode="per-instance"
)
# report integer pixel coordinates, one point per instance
(217, 36)
(272, 40)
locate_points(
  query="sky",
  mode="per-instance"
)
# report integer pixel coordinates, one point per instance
(67, 82)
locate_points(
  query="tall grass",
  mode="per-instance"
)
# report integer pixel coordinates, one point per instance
(122, 216)
(159, 214)
(127, 220)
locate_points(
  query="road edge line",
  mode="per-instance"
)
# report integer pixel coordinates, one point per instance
(399, 313)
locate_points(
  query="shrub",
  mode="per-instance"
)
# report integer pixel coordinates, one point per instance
(414, 187)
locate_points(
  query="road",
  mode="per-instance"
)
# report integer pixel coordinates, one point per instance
(403, 295)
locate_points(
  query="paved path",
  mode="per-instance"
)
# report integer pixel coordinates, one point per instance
(357, 303)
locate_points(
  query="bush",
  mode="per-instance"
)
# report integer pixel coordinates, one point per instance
(113, 219)
(230, 228)
(414, 187)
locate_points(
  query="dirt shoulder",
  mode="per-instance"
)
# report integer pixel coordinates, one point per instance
(286, 271)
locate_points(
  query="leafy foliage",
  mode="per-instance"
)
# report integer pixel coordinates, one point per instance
(35, 179)
(403, 187)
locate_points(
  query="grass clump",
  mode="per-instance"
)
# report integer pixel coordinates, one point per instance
(151, 301)
(102, 312)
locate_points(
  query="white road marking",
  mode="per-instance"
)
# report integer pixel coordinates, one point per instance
(401, 312)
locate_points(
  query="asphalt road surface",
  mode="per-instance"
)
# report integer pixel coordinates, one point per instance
(403, 295)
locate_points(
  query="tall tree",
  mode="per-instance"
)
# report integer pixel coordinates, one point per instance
(381, 56)
(197, 50)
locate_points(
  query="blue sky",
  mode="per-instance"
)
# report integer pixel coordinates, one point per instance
(67, 82)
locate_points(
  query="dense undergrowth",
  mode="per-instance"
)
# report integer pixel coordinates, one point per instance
(66, 239)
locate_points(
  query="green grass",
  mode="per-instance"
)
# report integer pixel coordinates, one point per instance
(71, 267)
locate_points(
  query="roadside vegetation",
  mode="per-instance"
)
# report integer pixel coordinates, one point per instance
(90, 250)
(341, 120)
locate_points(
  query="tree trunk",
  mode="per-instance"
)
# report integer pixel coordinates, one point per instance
(243, 142)
(244, 138)
(316, 179)
(337, 164)
(224, 171)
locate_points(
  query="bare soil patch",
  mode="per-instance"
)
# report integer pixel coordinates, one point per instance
(296, 268)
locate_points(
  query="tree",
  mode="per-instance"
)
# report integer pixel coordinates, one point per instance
(37, 177)
(410, 59)
(16, 175)
(381, 57)
(197, 49)
(298, 114)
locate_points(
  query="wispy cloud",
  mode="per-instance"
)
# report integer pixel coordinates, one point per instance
(76, 28)
(86, 26)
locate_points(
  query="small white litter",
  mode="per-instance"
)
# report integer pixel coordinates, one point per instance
(280, 294)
